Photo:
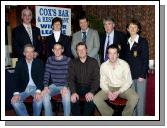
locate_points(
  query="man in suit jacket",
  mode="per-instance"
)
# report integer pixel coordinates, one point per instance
(87, 35)
(111, 37)
(57, 36)
(28, 79)
(26, 34)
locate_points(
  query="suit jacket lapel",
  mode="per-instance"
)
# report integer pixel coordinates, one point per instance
(61, 38)
(33, 34)
(115, 40)
(80, 36)
(103, 40)
(26, 68)
(24, 29)
(134, 46)
(25, 33)
(53, 39)
(88, 35)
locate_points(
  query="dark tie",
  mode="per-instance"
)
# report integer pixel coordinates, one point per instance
(108, 43)
(84, 37)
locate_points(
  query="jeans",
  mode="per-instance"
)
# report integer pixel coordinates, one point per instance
(54, 90)
(140, 88)
(20, 107)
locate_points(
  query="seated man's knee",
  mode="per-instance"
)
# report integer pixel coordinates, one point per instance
(15, 104)
(133, 99)
(97, 99)
(38, 102)
(46, 97)
(65, 92)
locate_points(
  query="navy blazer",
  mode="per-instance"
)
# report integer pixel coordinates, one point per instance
(66, 42)
(21, 76)
(138, 58)
(21, 38)
(119, 39)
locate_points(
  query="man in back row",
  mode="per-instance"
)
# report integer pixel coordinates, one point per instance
(26, 33)
(111, 36)
(87, 35)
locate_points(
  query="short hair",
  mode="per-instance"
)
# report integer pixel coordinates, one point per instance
(135, 22)
(26, 9)
(58, 43)
(28, 46)
(81, 43)
(113, 46)
(83, 17)
(56, 19)
(110, 18)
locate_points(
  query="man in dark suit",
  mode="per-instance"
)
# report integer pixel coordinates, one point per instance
(57, 36)
(111, 37)
(28, 79)
(26, 34)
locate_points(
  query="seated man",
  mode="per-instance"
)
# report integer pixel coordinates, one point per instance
(28, 80)
(56, 68)
(83, 80)
(115, 80)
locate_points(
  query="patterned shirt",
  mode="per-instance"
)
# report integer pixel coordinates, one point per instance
(56, 70)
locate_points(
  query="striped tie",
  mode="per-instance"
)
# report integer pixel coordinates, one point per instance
(84, 37)
(108, 43)
(30, 33)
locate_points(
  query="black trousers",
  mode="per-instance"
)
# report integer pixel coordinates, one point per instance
(82, 108)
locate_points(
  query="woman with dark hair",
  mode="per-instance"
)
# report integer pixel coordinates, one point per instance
(137, 55)
(57, 36)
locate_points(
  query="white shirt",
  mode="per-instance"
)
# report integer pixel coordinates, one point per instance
(131, 41)
(56, 35)
(111, 40)
(31, 82)
(120, 76)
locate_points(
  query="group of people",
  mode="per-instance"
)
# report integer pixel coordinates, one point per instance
(120, 70)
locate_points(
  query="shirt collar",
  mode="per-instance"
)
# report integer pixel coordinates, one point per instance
(117, 62)
(25, 25)
(29, 62)
(135, 40)
(85, 31)
(56, 32)
(87, 59)
(110, 34)
(54, 58)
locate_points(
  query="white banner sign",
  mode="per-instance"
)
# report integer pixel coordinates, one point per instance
(45, 14)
